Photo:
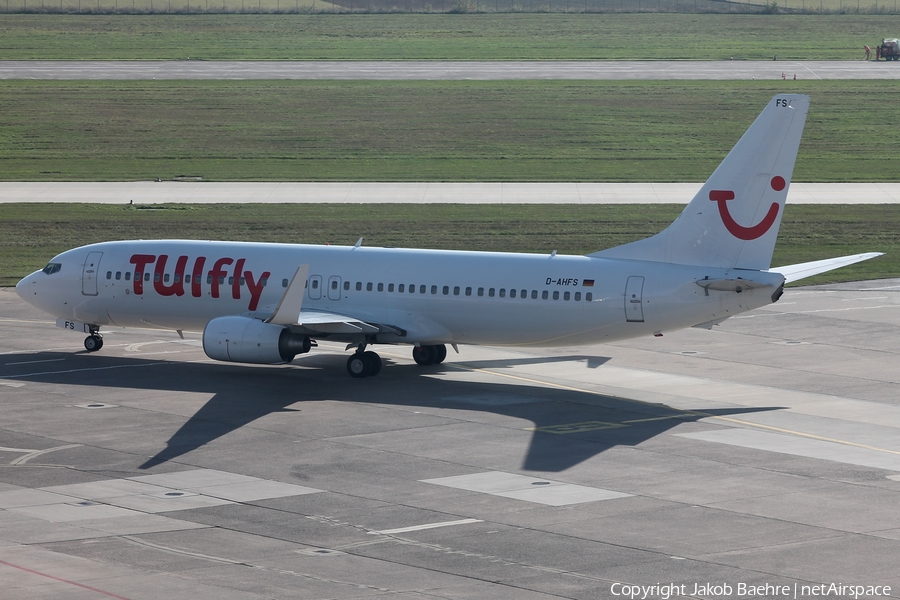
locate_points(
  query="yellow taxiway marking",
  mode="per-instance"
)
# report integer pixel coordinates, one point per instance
(567, 428)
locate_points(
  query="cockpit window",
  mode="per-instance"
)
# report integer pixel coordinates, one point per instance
(52, 268)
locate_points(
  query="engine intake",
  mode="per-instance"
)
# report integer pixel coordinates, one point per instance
(246, 340)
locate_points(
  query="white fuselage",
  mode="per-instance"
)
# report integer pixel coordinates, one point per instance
(430, 296)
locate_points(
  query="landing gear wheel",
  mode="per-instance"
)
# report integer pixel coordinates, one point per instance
(429, 355)
(92, 343)
(356, 365)
(364, 364)
(440, 353)
(373, 363)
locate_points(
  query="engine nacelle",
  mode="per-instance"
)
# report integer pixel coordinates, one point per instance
(246, 340)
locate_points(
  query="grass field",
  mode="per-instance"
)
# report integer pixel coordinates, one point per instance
(441, 6)
(30, 235)
(423, 131)
(443, 37)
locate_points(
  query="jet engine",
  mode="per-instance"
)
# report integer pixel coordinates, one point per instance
(246, 340)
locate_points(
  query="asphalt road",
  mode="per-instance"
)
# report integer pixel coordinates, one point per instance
(766, 451)
(450, 70)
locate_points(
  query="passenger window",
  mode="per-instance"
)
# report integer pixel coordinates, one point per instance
(109, 274)
(512, 293)
(155, 277)
(456, 291)
(263, 282)
(446, 290)
(178, 279)
(209, 278)
(545, 295)
(146, 276)
(359, 286)
(187, 278)
(524, 294)
(369, 287)
(230, 280)
(556, 295)
(128, 276)
(346, 286)
(589, 297)
(577, 296)
(165, 278)
(380, 287)
(468, 291)
(401, 288)
(221, 280)
(334, 284)
(284, 283)
(421, 289)
(390, 287)
(503, 292)
(566, 296)
(315, 284)
(434, 289)
(480, 292)
(534, 294)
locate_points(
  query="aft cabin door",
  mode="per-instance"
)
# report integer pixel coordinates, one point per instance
(90, 273)
(634, 303)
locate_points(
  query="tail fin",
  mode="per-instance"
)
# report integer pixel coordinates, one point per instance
(733, 220)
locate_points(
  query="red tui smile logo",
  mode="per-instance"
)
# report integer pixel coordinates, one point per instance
(721, 197)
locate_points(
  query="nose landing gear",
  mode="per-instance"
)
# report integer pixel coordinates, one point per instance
(93, 342)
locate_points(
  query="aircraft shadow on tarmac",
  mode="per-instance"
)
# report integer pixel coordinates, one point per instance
(570, 426)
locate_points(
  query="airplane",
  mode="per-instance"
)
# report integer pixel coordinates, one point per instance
(267, 303)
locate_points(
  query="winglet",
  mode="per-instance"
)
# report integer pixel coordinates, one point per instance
(288, 310)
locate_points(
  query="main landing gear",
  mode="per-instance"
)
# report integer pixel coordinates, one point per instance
(429, 355)
(93, 342)
(363, 363)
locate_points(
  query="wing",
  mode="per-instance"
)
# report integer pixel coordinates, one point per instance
(803, 270)
(290, 313)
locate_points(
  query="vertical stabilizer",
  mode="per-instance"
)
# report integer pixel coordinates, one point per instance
(733, 220)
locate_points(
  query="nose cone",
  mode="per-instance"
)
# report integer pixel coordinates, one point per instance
(25, 288)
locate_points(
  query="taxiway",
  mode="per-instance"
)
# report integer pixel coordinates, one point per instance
(764, 451)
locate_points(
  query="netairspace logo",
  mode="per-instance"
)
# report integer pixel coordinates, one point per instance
(665, 591)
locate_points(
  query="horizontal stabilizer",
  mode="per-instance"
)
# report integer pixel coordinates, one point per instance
(808, 269)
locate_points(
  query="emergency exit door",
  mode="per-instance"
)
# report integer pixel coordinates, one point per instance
(634, 303)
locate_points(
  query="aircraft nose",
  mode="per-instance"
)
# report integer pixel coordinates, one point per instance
(27, 288)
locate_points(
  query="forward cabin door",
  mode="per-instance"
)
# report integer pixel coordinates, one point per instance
(314, 289)
(334, 288)
(90, 273)
(634, 303)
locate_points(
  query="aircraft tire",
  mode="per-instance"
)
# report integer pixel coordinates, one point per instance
(424, 355)
(440, 353)
(372, 362)
(357, 365)
(92, 343)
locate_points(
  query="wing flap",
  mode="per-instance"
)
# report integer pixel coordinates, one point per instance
(310, 321)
